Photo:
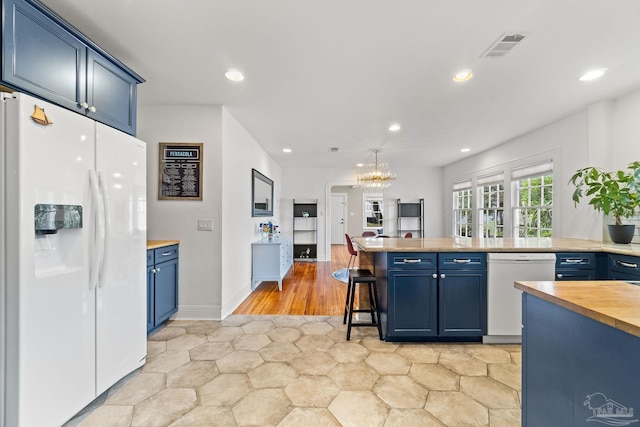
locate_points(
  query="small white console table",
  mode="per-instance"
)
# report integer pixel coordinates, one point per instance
(271, 260)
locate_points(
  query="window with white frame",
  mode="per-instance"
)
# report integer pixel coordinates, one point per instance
(532, 200)
(462, 209)
(491, 205)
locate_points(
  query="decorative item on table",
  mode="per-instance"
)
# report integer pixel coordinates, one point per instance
(267, 230)
(305, 214)
(305, 253)
(614, 193)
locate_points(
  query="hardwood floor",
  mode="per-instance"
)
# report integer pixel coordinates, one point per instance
(308, 289)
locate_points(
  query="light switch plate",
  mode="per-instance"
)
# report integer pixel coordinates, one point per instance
(205, 225)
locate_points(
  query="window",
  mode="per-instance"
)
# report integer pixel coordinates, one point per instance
(372, 210)
(533, 200)
(491, 206)
(462, 209)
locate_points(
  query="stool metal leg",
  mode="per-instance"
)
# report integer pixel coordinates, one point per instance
(350, 320)
(375, 299)
(346, 302)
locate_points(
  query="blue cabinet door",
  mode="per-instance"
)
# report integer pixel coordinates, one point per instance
(165, 290)
(40, 57)
(462, 303)
(412, 304)
(111, 94)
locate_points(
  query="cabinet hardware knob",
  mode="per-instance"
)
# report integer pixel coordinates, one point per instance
(559, 275)
(411, 261)
(92, 109)
(434, 275)
(153, 270)
(166, 253)
(442, 276)
(84, 105)
(461, 261)
(573, 261)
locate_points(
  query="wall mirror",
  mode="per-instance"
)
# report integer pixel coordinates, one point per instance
(261, 194)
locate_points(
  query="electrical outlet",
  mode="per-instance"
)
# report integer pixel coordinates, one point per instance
(205, 225)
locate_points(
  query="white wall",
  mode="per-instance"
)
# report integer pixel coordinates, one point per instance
(240, 153)
(411, 185)
(626, 130)
(200, 251)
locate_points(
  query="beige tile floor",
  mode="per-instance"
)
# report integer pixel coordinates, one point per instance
(301, 371)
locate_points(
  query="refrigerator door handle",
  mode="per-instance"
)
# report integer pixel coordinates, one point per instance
(98, 245)
(104, 213)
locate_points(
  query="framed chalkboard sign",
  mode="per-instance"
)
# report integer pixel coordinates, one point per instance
(180, 171)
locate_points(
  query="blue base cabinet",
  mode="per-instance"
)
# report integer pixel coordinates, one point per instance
(462, 294)
(162, 285)
(44, 56)
(576, 371)
(432, 296)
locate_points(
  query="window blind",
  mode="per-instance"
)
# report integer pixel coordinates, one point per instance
(462, 185)
(495, 178)
(537, 169)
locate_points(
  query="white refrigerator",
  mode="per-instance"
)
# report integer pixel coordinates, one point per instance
(73, 260)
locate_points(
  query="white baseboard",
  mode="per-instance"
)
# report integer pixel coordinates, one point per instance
(235, 301)
(203, 312)
(502, 339)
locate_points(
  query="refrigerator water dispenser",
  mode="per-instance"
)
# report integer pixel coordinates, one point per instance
(48, 219)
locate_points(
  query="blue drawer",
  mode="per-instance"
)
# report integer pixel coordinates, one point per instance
(575, 260)
(149, 257)
(462, 260)
(412, 260)
(624, 264)
(165, 253)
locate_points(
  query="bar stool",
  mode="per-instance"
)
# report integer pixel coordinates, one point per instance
(365, 277)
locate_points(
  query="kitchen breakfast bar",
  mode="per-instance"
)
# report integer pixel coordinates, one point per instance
(580, 338)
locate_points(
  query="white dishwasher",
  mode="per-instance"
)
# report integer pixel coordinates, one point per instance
(504, 302)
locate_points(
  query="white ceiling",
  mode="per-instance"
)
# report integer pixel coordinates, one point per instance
(336, 73)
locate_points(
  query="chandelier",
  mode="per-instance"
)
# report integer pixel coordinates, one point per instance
(375, 177)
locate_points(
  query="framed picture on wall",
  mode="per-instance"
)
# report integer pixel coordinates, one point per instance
(180, 171)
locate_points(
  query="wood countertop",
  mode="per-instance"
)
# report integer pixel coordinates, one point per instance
(463, 244)
(614, 303)
(155, 244)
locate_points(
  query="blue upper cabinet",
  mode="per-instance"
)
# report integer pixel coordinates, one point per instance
(111, 94)
(44, 56)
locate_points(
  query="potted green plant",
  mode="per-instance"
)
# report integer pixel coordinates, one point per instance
(613, 193)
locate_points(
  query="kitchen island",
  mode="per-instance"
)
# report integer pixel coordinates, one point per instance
(581, 353)
(436, 289)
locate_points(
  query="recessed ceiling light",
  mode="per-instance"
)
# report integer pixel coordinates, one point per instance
(463, 76)
(286, 150)
(234, 75)
(359, 165)
(592, 74)
(394, 127)
(465, 150)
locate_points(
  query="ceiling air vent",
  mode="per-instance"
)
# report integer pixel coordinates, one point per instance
(334, 149)
(504, 45)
